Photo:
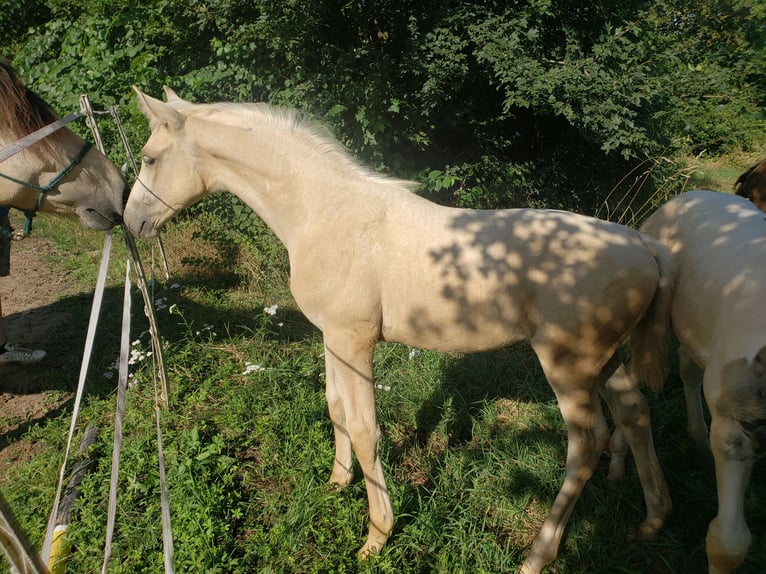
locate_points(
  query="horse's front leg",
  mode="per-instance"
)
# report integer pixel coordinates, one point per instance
(728, 536)
(342, 468)
(349, 358)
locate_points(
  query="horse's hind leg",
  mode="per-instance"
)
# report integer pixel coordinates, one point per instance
(618, 451)
(631, 414)
(691, 376)
(587, 436)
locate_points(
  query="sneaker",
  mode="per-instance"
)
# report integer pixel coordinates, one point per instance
(19, 355)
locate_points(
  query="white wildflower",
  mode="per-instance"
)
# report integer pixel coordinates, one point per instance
(414, 352)
(271, 310)
(252, 368)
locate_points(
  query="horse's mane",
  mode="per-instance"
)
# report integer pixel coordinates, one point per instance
(21, 110)
(738, 185)
(299, 125)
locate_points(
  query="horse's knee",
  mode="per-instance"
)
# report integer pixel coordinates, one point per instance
(618, 450)
(727, 547)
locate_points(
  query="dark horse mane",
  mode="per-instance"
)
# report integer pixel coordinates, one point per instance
(752, 184)
(21, 110)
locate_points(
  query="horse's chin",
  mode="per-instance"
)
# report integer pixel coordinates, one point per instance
(142, 228)
(97, 220)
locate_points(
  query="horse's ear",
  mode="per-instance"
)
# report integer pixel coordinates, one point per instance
(158, 112)
(170, 94)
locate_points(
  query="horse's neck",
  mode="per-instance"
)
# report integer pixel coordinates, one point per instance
(22, 167)
(291, 186)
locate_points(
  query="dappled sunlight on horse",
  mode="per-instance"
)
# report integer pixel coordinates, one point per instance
(719, 244)
(372, 261)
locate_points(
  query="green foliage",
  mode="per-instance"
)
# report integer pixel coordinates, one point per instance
(544, 102)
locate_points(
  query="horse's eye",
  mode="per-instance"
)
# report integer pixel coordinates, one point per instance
(148, 160)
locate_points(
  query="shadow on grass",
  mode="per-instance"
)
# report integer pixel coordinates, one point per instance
(60, 328)
(601, 533)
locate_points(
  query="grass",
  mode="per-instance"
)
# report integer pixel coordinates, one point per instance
(473, 446)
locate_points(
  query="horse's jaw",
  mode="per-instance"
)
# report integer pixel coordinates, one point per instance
(139, 225)
(97, 219)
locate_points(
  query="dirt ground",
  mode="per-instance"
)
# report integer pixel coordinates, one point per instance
(33, 319)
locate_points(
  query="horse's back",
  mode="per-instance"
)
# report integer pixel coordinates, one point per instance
(719, 244)
(466, 280)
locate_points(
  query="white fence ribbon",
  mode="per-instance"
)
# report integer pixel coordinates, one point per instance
(122, 385)
(98, 297)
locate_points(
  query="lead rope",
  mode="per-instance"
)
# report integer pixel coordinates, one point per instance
(122, 381)
(87, 352)
(16, 545)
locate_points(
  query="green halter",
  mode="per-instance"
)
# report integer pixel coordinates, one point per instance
(44, 189)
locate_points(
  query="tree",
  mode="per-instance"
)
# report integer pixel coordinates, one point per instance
(488, 104)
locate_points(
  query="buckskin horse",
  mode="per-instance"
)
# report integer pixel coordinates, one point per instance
(60, 173)
(370, 261)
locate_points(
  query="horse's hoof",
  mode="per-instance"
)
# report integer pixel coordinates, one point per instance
(369, 550)
(647, 530)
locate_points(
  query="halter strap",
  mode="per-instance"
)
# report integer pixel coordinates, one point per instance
(44, 189)
(37, 135)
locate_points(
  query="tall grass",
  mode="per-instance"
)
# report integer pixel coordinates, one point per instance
(473, 447)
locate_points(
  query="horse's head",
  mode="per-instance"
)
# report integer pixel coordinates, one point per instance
(58, 174)
(169, 179)
(752, 185)
(94, 190)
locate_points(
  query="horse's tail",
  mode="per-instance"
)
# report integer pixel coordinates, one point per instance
(650, 340)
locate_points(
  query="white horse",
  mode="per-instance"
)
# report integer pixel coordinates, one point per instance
(718, 242)
(370, 261)
(87, 185)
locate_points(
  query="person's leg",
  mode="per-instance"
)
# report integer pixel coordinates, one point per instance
(13, 354)
(3, 339)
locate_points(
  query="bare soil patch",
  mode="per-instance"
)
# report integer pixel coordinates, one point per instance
(33, 318)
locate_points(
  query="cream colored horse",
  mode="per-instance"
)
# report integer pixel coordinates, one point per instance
(92, 190)
(719, 244)
(370, 261)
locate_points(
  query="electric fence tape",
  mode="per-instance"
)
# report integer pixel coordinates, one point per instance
(87, 110)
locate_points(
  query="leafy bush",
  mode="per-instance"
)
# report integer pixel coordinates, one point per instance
(544, 102)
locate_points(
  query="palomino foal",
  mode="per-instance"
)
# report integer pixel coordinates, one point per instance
(370, 261)
(719, 244)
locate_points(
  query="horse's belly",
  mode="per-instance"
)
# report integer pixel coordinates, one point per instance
(449, 326)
